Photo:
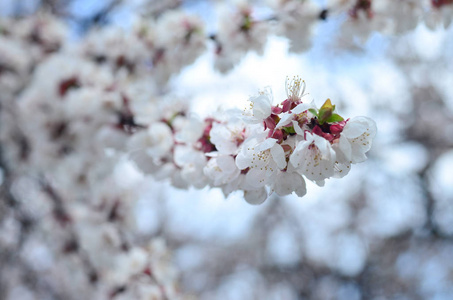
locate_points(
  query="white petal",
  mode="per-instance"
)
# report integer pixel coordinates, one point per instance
(322, 144)
(345, 148)
(358, 155)
(285, 119)
(342, 169)
(256, 178)
(362, 143)
(301, 189)
(243, 161)
(359, 125)
(320, 182)
(266, 144)
(255, 197)
(297, 155)
(191, 131)
(221, 170)
(287, 182)
(279, 156)
(369, 123)
(301, 108)
(297, 128)
(222, 137)
(353, 130)
(226, 162)
(261, 107)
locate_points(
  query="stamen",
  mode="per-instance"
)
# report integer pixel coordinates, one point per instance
(295, 88)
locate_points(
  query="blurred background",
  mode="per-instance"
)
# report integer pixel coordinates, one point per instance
(385, 231)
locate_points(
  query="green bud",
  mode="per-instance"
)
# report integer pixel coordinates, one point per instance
(325, 112)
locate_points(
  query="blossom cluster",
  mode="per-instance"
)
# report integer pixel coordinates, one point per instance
(65, 119)
(263, 149)
(165, 45)
(63, 149)
(391, 17)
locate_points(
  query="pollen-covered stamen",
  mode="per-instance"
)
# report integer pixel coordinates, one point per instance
(295, 88)
(261, 159)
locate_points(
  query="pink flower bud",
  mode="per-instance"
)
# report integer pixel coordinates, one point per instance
(269, 122)
(278, 135)
(286, 105)
(276, 110)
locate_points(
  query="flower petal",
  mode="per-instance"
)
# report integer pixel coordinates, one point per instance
(255, 197)
(285, 119)
(279, 156)
(302, 107)
(266, 144)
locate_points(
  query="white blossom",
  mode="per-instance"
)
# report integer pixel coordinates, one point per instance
(227, 137)
(298, 113)
(188, 130)
(287, 182)
(260, 106)
(314, 158)
(356, 138)
(192, 163)
(156, 141)
(298, 21)
(261, 159)
(221, 170)
(238, 32)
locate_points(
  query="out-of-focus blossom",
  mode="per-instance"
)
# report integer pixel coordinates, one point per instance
(238, 32)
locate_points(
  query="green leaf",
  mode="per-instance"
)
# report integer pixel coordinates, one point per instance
(313, 111)
(335, 118)
(289, 130)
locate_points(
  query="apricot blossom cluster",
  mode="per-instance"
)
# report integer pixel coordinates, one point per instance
(293, 140)
(261, 150)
